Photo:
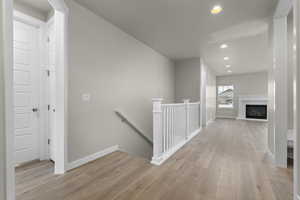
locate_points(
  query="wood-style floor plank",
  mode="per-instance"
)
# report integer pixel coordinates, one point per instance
(226, 161)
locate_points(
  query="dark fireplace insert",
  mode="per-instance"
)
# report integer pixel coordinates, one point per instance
(256, 111)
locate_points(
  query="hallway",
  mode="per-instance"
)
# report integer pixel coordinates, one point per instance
(225, 161)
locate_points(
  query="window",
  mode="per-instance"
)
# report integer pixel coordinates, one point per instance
(225, 96)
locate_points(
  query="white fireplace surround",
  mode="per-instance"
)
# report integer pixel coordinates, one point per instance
(250, 100)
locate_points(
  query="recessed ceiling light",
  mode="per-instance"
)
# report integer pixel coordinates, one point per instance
(216, 9)
(226, 58)
(229, 71)
(227, 66)
(223, 46)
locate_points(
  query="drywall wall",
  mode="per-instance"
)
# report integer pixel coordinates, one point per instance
(2, 136)
(197, 82)
(210, 95)
(244, 84)
(187, 80)
(203, 94)
(119, 73)
(271, 91)
(290, 88)
(28, 10)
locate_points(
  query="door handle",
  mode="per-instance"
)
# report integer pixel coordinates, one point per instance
(35, 109)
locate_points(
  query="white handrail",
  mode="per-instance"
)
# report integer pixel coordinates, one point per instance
(134, 127)
(173, 126)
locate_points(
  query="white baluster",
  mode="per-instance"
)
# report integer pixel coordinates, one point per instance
(165, 128)
(168, 132)
(173, 127)
(187, 117)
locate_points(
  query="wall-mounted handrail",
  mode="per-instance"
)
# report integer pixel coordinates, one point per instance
(134, 127)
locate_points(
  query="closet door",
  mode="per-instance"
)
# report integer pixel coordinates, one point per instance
(26, 92)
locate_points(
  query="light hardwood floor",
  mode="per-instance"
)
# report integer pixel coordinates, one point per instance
(227, 161)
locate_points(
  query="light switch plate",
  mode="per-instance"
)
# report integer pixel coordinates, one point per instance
(86, 97)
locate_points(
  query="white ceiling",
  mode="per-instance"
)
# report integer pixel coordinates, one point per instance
(40, 5)
(183, 29)
(248, 54)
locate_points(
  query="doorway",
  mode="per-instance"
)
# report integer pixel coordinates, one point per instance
(26, 92)
(34, 88)
(34, 96)
(38, 121)
(60, 15)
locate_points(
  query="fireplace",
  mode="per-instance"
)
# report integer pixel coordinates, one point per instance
(256, 111)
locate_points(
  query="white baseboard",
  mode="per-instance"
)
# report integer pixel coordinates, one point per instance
(247, 119)
(271, 156)
(225, 117)
(209, 122)
(95, 156)
(160, 160)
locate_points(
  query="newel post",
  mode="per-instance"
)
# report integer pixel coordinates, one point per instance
(187, 117)
(157, 129)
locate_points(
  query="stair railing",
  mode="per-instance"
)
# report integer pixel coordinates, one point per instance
(134, 127)
(173, 126)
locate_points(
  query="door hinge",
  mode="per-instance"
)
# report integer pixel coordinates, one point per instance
(48, 72)
(49, 107)
(49, 141)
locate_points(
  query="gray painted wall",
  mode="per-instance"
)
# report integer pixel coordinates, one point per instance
(290, 88)
(28, 10)
(120, 73)
(187, 80)
(244, 84)
(197, 82)
(2, 136)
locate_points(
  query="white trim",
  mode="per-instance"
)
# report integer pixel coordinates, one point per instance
(225, 117)
(28, 19)
(90, 158)
(297, 100)
(8, 78)
(248, 119)
(61, 63)
(160, 160)
(210, 121)
(271, 155)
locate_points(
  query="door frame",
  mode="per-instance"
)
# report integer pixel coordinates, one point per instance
(61, 26)
(296, 11)
(42, 63)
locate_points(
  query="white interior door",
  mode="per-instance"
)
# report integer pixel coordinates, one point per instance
(26, 92)
(52, 89)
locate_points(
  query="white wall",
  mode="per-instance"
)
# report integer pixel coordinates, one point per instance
(187, 80)
(120, 73)
(281, 90)
(2, 132)
(210, 96)
(244, 84)
(271, 90)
